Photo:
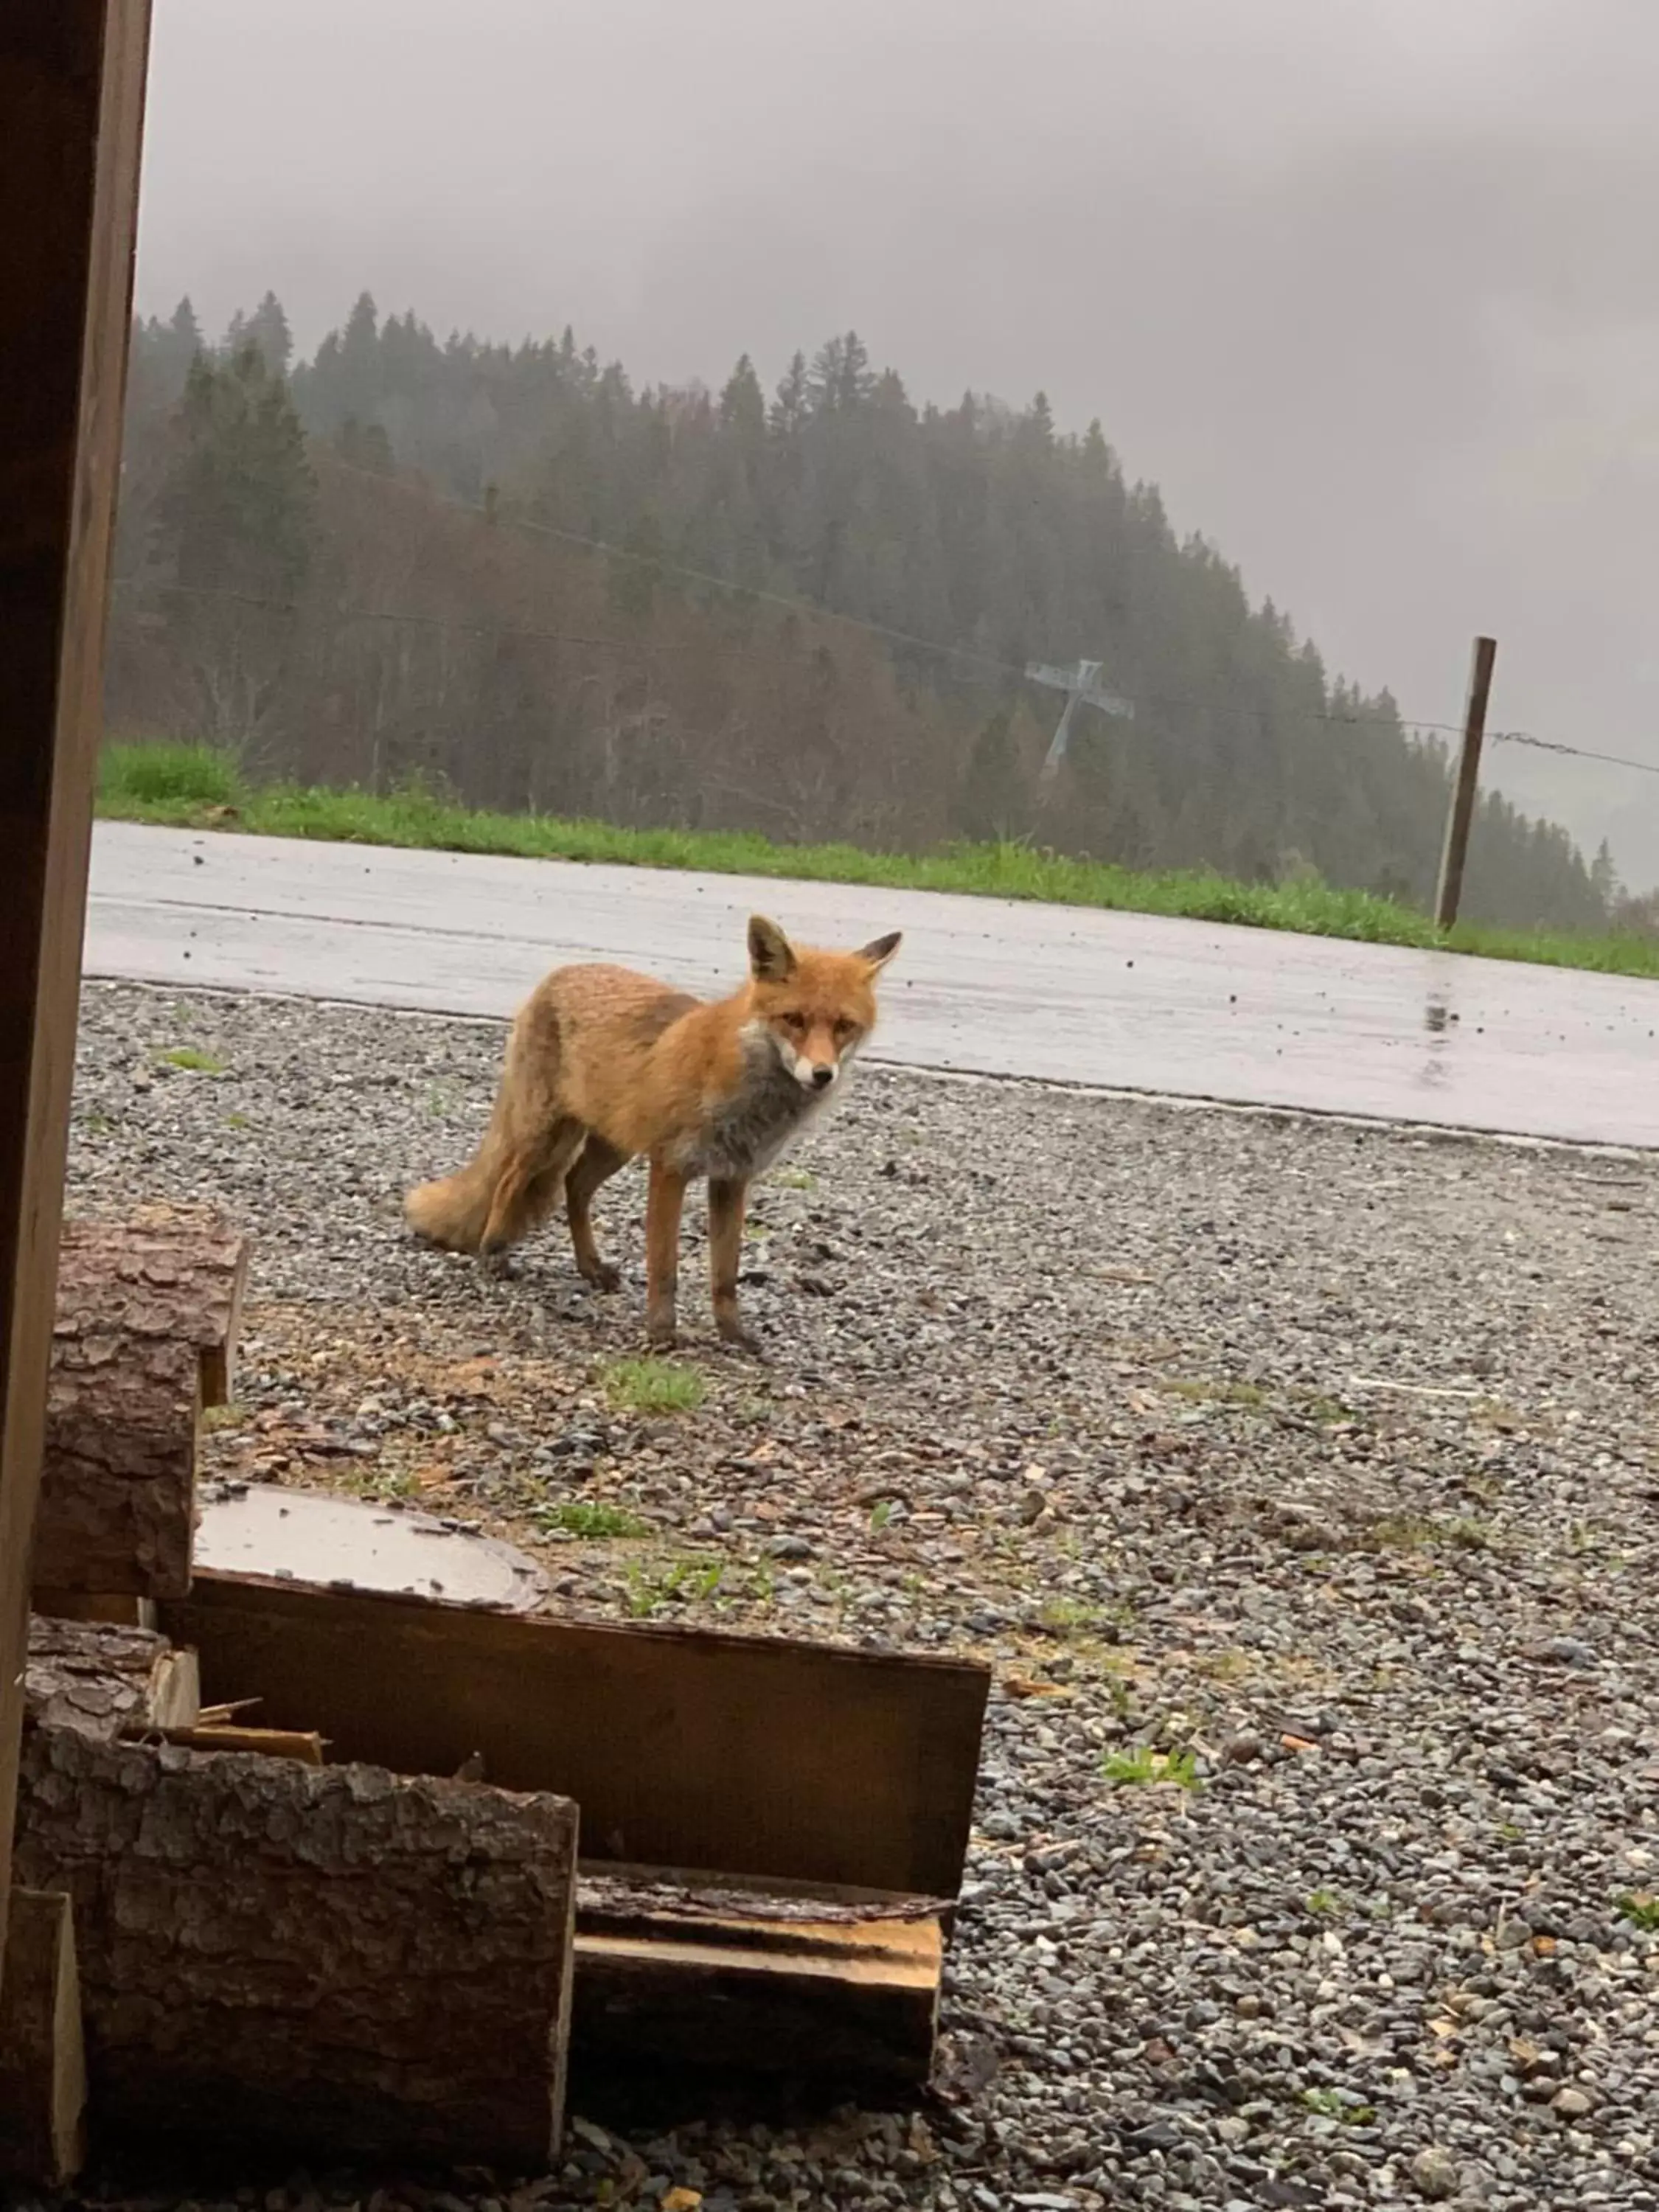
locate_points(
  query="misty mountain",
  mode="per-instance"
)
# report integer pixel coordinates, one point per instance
(804, 610)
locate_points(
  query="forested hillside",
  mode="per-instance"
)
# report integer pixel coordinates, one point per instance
(807, 613)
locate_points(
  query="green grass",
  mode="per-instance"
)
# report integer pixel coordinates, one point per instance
(198, 786)
(193, 1060)
(652, 1386)
(1214, 1394)
(1642, 1913)
(592, 1519)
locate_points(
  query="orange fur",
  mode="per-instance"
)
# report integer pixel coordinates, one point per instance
(604, 1065)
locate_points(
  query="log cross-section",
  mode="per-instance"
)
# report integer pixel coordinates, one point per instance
(333, 1960)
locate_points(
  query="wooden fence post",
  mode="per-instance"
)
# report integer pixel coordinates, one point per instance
(1465, 784)
(71, 95)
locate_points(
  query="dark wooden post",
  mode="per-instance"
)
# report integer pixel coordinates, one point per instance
(71, 107)
(1465, 784)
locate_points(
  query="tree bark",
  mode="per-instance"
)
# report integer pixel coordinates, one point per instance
(118, 1489)
(162, 1273)
(147, 1318)
(101, 1679)
(335, 1959)
(43, 2074)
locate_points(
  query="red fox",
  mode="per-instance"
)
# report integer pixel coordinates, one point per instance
(602, 1064)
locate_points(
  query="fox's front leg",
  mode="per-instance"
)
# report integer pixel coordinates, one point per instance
(726, 1202)
(664, 1199)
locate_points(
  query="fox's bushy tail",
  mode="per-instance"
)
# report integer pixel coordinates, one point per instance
(513, 1180)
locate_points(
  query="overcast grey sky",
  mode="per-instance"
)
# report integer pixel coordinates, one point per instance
(1369, 287)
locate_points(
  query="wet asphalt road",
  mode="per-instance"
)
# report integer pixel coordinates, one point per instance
(1188, 1009)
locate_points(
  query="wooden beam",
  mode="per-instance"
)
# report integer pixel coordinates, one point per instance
(699, 1979)
(72, 92)
(43, 2060)
(732, 1755)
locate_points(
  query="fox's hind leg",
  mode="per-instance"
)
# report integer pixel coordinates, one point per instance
(596, 1163)
(528, 1181)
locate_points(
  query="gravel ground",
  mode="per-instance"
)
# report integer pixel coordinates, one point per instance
(1297, 1478)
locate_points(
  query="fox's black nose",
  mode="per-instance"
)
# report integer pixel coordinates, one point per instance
(822, 1078)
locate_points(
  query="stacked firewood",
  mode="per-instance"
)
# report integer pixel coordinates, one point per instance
(384, 1952)
(208, 1924)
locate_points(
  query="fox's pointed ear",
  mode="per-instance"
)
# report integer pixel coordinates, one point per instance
(771, 956)
(877, 954)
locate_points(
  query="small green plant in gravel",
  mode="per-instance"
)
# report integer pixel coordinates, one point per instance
(1068, 1616)
(1141, 1764)
(880, 1514)
(1221, 1393)
(652, 1386)
(1325, 1904)
(592, 1519)
(1642, 1913)
(1335, 2105)
(650, 1587)
(193, 1060)
(1417, 1532)
(795, 1179)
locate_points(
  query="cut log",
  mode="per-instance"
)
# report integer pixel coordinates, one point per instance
(147, 1319)
(331, 1960)
(117, 1488)
(43, 2075)
(165, 1273)
(102, 1679)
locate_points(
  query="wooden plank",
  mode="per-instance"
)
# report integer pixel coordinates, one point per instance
(334, 1962)
(269, 1743)
(719, 1753)
(43, 2063)
(857, 2008)
(743, 1981)
(72, 92)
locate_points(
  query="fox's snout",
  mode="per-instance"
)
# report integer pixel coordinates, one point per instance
(812, 1070)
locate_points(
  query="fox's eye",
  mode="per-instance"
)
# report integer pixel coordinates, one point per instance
(794, 1023)
(843, 1030)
